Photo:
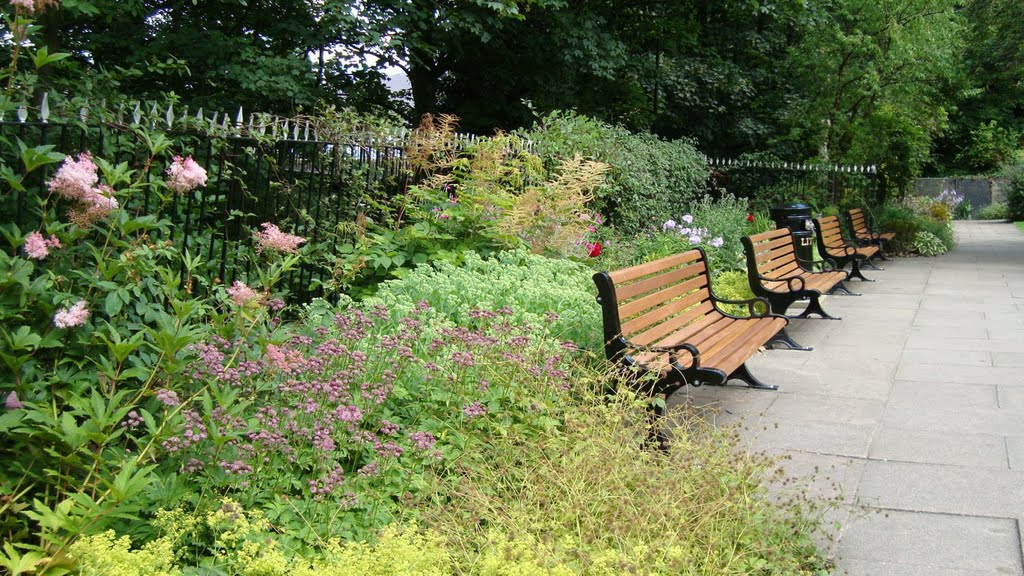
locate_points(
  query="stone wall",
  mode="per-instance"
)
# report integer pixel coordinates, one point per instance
(979, 191)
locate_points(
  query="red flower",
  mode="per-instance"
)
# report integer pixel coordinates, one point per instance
(594, 250)
(750, 217)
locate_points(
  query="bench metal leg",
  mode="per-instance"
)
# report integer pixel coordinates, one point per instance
(855, 272)
(841, 287)
(743, 373)
(783, 337)
(870, 264)
(814, 307)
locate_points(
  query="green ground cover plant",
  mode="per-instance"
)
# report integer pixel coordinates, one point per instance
(994, 211)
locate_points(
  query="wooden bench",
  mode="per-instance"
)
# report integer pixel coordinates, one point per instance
(864, 235)
(777, 274)
(663, 324)
(833, 246)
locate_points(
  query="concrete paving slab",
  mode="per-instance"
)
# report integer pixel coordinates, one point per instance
(907, 543)
(1010, 397)
(1008, 359)
(931, 341)
(913, 403)
(840, 439)
(941, 489)
(1015, 452)
(939, 447)
(824, 477)
(794, 408)
(946, 357)
(960, 374)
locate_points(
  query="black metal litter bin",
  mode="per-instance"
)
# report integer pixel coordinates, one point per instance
(796, 217)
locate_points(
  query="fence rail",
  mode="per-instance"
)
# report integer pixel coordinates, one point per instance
(308, 185)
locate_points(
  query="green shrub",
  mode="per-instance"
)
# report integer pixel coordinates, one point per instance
(1014, 173)
(902, 222)
(927, 244)
(994, 211)
(650, 179)
(595, 499)
(556, 295)
(943, 231)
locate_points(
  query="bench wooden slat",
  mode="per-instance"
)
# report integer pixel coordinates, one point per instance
(668, 303)
(771, 256)
(665, 278)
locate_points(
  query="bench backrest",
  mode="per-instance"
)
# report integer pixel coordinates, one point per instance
(858, 222)
(771, 254)
(831, 233)
(646, 303)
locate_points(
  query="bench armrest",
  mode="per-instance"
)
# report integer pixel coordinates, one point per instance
(751, 303)
(672, 351)
(846, 248)
(827, 265)
(789, 280)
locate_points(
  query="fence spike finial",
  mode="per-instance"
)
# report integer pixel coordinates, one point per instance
(137, 112)
(169, 116)
(44, 108)
(22, 114)
(199, 114)
(83, 113)
(213, 119)
(306, 135)
(295, 131)
(240, 118)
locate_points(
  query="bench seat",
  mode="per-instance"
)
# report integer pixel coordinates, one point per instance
(832, 245)
(777, 274)
(663, 324)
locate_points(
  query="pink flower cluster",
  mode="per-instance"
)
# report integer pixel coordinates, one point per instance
(243, 295)
(77, 180)
(37, 247)
(185, 175)
(71, 317)
(273, 238)
(31, 6)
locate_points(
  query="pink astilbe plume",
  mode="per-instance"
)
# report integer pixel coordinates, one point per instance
(26, 5)
(71, 317)
(75, 179)
(185, 175)
(36, 247)
(272, 237)
(242, 294)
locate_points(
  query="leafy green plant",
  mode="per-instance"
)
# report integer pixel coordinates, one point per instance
(994, 211)
(1014, 174)
(733, 285)
(927, 244)
(556, 295)
(594, 499)
(649, 177)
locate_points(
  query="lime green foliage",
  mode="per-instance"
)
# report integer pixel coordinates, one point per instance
(1020, 225)
(733, 285)
(247, 545)
(595, 499)
(650, 179)
(107, 554)
(556, 295)
(927, 244)
(994, 211)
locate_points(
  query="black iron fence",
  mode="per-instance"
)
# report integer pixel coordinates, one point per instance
(769, 183)
(269, 172)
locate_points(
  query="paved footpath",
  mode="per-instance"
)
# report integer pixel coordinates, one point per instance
(910, 410)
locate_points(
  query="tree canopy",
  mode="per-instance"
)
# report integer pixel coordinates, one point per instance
(909, 85)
